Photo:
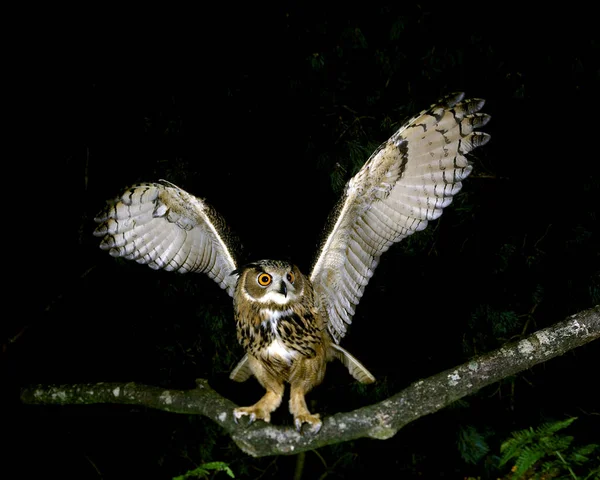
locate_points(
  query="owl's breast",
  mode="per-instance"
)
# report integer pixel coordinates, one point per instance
(279, 351)
(279, 337)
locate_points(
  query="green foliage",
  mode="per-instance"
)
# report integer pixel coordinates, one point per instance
(205, 469)
(317, 62)
(543, 453)
(490, 326)
(215, 322)
(472, 444)
(502, 323)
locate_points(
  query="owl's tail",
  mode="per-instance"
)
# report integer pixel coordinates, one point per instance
(356, 369)
(242, 371)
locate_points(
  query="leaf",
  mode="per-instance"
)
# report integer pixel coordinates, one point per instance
(548, 429)
(582, 454)
(204, 470)
(542, 452)
(471, 444)
(527, 459)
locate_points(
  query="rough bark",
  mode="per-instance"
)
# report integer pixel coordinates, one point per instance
(380, 421)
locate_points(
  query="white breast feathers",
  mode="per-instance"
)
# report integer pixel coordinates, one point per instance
(277, 349)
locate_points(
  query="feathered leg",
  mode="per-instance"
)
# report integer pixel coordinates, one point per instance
(306, 374)
(300, 411)
(262, 409)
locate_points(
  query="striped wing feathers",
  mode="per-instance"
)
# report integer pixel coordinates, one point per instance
(406, 182)
(163, 226)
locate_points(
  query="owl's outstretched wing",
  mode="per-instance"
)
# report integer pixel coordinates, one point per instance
(405, 183)
(165, 227)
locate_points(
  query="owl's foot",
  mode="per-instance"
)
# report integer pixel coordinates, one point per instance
(300, 411)
(313, 420)
(262, 409)
(253, 413)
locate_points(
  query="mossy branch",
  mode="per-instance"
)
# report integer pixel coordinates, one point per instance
(381, 420)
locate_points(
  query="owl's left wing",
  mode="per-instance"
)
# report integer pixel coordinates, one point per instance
(405, 183)
(165, 227)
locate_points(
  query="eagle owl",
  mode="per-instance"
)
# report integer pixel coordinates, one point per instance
(289, 324)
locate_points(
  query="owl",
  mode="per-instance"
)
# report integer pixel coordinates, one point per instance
(290, 324)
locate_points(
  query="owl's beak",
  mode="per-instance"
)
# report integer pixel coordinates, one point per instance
(283, 289)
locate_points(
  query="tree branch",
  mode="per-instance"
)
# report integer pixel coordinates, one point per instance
(381, 420)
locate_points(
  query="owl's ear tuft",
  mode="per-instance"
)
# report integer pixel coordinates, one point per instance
(238, 271)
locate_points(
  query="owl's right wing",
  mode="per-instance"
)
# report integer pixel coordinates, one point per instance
(405, 183)
(165, 227)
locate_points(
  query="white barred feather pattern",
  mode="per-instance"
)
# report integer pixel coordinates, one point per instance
(163, 226)
(406, 182)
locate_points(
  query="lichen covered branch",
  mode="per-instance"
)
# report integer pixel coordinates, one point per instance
(381, 420)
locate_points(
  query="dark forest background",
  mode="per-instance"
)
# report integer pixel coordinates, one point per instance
(267, 112)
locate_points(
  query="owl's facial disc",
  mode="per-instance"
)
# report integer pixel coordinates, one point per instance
(281, 291)
(272, 281)
(279, 287)
(274, 296)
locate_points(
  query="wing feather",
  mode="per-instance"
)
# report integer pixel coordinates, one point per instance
(242, 370)
(406, 182)
(356, 369)
(163, 226)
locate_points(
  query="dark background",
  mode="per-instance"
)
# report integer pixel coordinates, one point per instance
(267, 112)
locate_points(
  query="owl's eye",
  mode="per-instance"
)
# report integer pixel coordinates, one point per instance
(290, 277)
(264, 279)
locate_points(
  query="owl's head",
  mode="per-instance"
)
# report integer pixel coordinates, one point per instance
(270, 281)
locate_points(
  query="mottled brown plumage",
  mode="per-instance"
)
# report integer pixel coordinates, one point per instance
(284, 336)
(290, 325)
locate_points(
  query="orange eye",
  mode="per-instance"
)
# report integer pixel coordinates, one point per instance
(290, 277)
(264, 279)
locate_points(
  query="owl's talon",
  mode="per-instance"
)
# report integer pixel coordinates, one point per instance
(252, 413)
(312, 420)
